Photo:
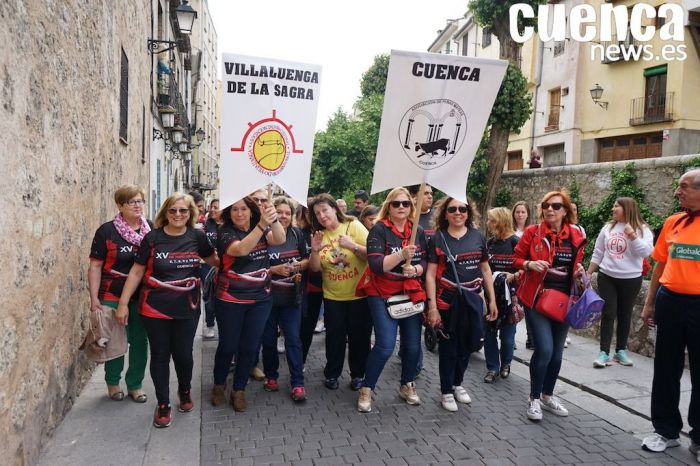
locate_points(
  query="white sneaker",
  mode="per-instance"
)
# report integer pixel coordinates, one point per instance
(554, 406)
(208, 333)
(534, 410)
(364, 401)
(408, 393)
(320, 327)
(448, 402)
(567, 342)
(658, 443)
(280, 344)
(461, 395)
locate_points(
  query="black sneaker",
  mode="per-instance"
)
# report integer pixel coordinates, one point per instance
(331, 383)
(356, 383)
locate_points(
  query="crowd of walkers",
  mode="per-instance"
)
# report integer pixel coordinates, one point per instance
(268, 267)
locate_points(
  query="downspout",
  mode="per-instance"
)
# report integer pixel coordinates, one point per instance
(538, 82)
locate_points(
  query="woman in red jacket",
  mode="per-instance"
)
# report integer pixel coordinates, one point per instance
(550, 253)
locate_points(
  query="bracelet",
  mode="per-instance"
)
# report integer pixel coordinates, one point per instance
(356, 248)
(525, 265)
(261, 227)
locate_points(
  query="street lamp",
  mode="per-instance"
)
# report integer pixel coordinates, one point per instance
(596, 94)
(185, 17)
(177, 134)
(200, 136)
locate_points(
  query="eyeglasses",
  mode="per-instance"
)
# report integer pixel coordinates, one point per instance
(133, 202)
(260, 200)
(397, 204)
(453, 208)
(553, 205)
(182, 211)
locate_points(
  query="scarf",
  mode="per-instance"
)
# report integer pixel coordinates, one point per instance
(128, 233)
(405, 236)
(687, 218)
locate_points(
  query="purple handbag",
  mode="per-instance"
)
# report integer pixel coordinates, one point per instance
(584, 309)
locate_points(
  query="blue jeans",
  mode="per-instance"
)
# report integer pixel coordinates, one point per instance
(289, 320)
(385, 329)
(496, 359)
(548, 337)
(240, 330)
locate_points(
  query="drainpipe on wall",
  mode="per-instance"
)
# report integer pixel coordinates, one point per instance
(538, 82)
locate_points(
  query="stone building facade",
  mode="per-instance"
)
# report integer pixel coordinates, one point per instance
(74, 81)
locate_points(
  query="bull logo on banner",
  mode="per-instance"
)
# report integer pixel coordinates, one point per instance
(431, 132)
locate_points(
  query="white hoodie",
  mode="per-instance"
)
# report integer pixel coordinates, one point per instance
(619, 257)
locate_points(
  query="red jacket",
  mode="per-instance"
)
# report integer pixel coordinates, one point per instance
(535, 245)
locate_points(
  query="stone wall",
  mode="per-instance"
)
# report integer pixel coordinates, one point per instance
(62, 159)
(654, 176)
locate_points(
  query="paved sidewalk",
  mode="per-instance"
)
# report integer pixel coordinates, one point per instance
(604, 425)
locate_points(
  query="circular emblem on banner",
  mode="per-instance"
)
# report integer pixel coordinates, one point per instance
(268, 147)
(268, 143)
(432, 132)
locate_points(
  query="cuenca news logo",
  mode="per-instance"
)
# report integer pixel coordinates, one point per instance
(614, 32)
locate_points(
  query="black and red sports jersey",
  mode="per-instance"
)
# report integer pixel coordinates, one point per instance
(117, 255)
(293, 250)
(501, 254)
(211, 229)
(314, 280)
(171, 286)
(563, 263)
(381, 241)
(468, 252)
(426, 221)
(243, 279)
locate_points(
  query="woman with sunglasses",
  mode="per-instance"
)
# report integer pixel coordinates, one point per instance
(243, 300)
(550, 253)
(456, 242)
(338, 250)
(395, 266)
(112, 254)
(619, 252)
(168, 261)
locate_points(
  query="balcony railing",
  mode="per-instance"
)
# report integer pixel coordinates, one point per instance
(170, 101)
(651, 109)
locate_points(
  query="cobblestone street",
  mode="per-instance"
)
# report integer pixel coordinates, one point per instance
(327, 429)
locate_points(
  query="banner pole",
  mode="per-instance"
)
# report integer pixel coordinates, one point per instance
(419, 206)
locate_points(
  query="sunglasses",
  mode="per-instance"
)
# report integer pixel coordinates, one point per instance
(452, 209)
(397, 204)
(178, 211)
(260, 200)
(553, 205)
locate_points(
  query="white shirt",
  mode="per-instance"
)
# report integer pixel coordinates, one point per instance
(619, 257)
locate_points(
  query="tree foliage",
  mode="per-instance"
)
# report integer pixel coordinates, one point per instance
(344, 153)
(513, 104)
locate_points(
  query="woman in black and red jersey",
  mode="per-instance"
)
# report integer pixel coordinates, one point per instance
(287, 263)
(394, 268)
(243, 299)
(455, 236)
(111, 256)
(312, 298)
(168, 263)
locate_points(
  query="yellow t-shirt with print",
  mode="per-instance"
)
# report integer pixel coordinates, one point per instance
(342, 269)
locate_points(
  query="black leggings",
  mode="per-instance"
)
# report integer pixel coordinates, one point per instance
(309, 318)
(166, 338)
(619, 295)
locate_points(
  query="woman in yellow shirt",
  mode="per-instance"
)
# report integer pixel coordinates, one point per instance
(338, 249)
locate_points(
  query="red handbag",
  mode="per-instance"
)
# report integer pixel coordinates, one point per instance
(552, 304)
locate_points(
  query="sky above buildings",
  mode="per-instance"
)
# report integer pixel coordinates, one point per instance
(342, 37)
